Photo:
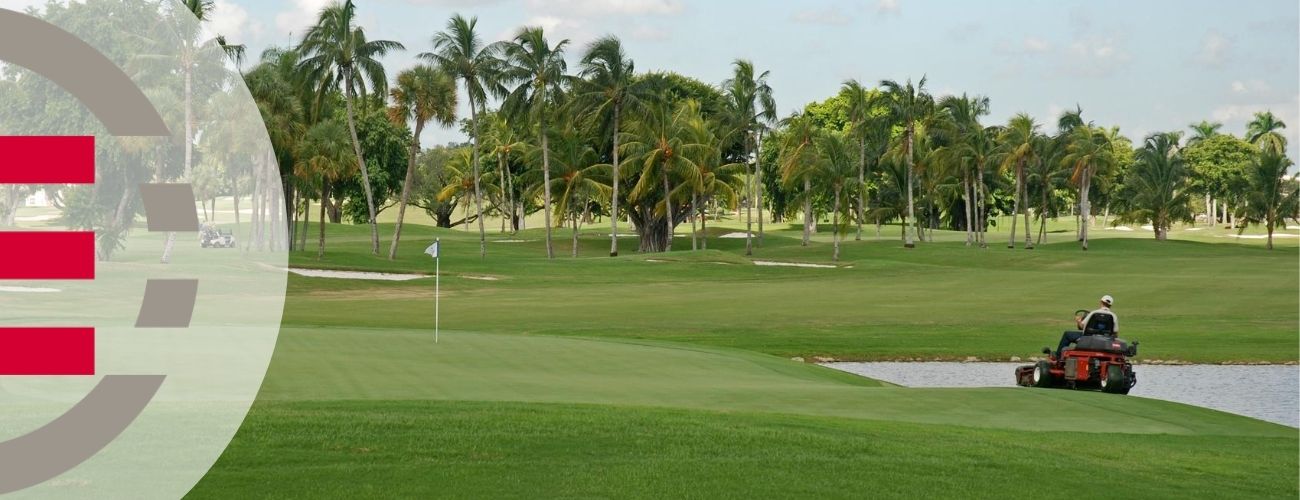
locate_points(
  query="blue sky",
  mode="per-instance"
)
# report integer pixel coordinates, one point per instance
(1145, 66)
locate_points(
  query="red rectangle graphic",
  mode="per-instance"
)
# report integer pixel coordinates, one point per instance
(47, 159)
(47, 255)
(47, 351)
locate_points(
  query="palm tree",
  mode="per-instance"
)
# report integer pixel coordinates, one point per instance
(538, 70)
(579, 178)
(863, 121)
(1272, 196)
(1263, 131)
(977, 149)
(337, 55)
(460, 52)
(1019, 145)
(1155, 189)
(963, 113)
(662, 148)
(837, 169)
(711, 178)
(422, 93)
(503, 142)
(751, 106)
(799, 162)
(607, 90)
(324, 155)
(1088, 150)
(1203, 130)
(908, 105)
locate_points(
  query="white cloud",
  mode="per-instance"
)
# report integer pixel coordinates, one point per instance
(1036, 45)
(888, 7)
(649, 33)
(829, 16)
(301, 15)
(1215, 49)
(608, 7)
(1250, 87)
(231, 20)
(1094, 56)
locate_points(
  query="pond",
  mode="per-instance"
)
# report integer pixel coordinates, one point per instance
(1266, 392)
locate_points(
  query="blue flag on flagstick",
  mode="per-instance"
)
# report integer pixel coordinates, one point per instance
(432, 250)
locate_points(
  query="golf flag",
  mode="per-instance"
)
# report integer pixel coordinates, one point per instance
(432, 250)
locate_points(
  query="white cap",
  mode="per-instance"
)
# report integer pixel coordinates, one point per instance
(1108, 300)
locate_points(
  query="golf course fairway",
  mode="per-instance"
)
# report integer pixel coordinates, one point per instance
(630, 378)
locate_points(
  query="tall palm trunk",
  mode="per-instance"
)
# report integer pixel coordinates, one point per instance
(983, 208)
(509, 188)
(751, 195)
(1085, 206)
(1015, 208)
(835, 230)
(668, 210)
(574, 252)
(807, 209)
(613, 206)
(695, 245)
(361, 162)
(704, 227)
(324, 195)
(170, 242)
(862, 182)
(478, 191)
(406, 189)
(911, 206)
(1024, 192)
(968, 204)
(546, 189)
(758, 182)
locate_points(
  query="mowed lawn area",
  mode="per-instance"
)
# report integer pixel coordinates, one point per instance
(634, 378)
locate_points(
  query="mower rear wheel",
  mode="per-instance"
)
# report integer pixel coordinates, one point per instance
(1115, 381)
(1043, 374)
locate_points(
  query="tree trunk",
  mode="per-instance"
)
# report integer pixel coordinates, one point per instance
(910, 218)
(808, 220)
(835, 229)
(1024, 192)
(862, 183)
(1015, 211)
(324, 194)
(751, 194)
(704, 229)
(968, 204)
(406, 189)
(694, 230)
(574, 253)
(546, 189)
(758, 182)
(613, 206)
(478, 191)
(1085, 206)
(361, 162)
(668, 210)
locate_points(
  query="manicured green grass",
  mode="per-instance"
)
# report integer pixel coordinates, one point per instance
(613, 378)
(421, 449)
(1185, 300)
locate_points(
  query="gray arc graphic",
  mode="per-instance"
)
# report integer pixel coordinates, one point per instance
(119, 104)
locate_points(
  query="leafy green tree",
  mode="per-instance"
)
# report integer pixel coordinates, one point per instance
(1273, 195)
(607, 89)
(537, 69)
(460, 52)
(503, 142)
(1156, 190)
(909, 105)
(800, 163)
(578, 177)
(337, 55)
(865, 118)
(963, 113)
(1213, 163)
(422, 94)
(1203, 131)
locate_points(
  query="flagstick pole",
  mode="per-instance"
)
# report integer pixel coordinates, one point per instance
(437, 290)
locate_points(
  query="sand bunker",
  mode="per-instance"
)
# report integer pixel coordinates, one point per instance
(740, 235)
(480, 278)
(511, 241)
(36, 218)
(791, 264)
(355, 275)
(1119, 228)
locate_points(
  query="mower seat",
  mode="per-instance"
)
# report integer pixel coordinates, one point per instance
(1102, 343)
(1100, 323)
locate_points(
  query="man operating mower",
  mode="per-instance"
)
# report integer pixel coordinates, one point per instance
(1102, 320)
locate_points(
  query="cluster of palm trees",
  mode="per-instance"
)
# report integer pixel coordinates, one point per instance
(661, 149)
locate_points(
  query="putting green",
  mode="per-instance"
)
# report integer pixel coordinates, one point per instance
(385, 364)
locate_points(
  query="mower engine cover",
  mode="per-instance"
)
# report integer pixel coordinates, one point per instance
(1102, 343)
